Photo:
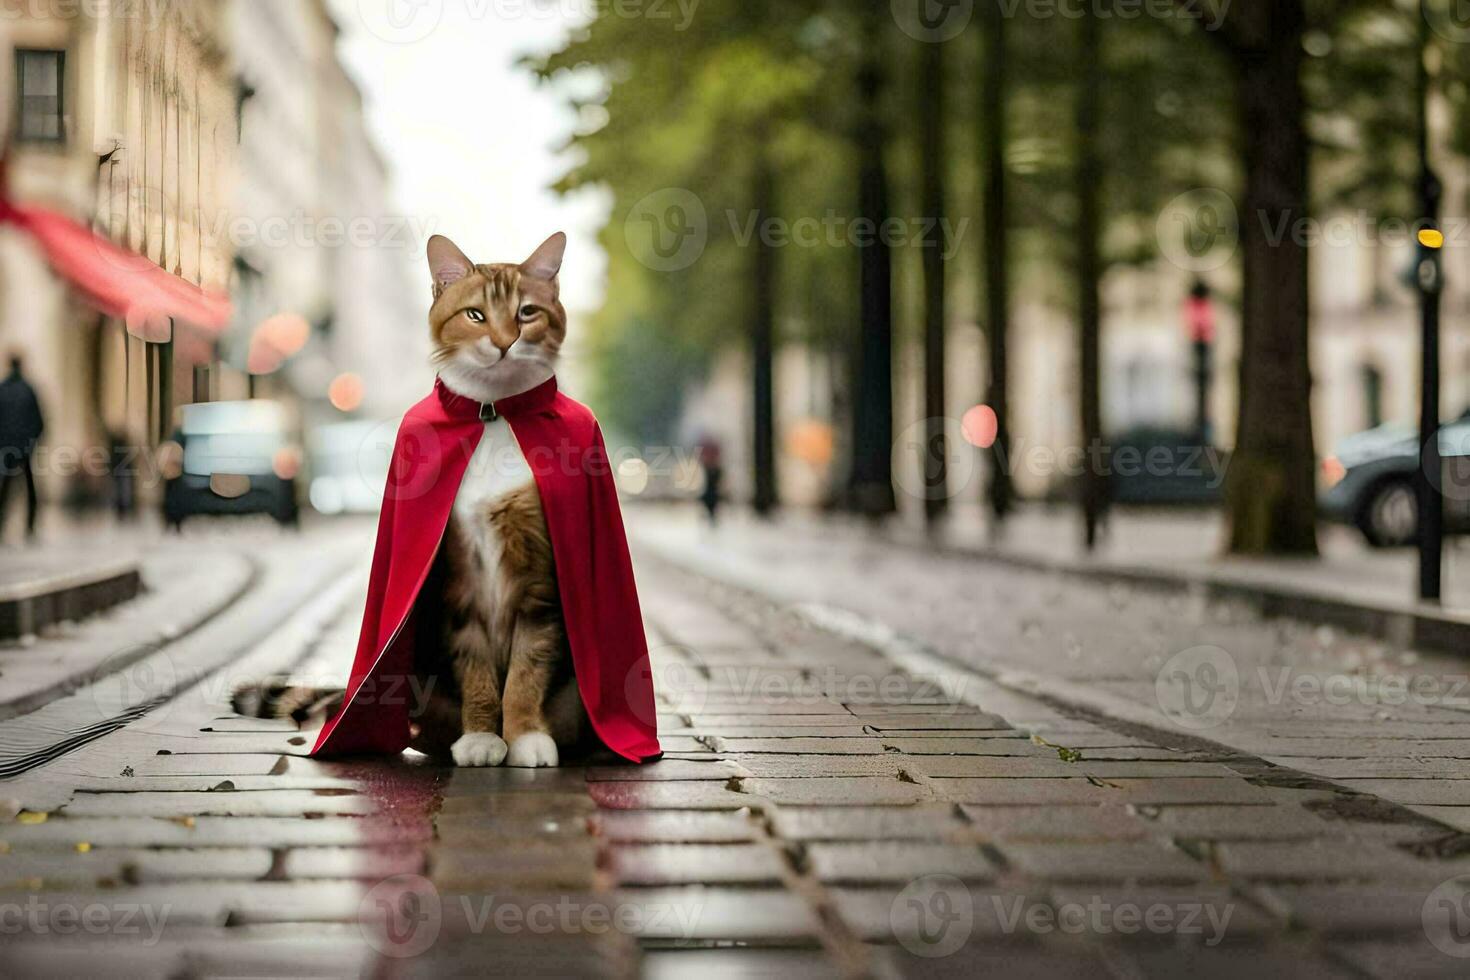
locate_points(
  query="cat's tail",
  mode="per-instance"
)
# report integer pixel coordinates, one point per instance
(280, 697)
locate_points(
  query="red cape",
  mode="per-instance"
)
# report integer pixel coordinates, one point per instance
(563, 446)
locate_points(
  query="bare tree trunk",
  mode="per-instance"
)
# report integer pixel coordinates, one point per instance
(996, 277)
(1094, 488)
(1271, 488)
(871, 480)
(762, 342)
(935, 453)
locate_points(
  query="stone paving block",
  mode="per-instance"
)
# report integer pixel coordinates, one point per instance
(701, 795)
(1108, 861)
(875, 912)
(364, 863)
(1055, 768)
(1058, 823)
(207, 765)
(943, 745)
(837, 791)
(1240, 822)
(1390, 960)
(480, 800)
(721, 770)
(510, 829)
(738, 964)
(239, 723)
(1318, 859)
(1087, 737)
(722, 706)
(1192, 790)
(801, 746)
(932, 721)
(61, 833)
(529, 865)
(297, 901)
(1366, 747)
(710, 720)
(673, 826)
(1427, 792)
(1037, 961)
(239, 952)
(777, 731)
(1351, 909)
(109, 867)
(1006, 792)
(689, 864)
(1396, 768)
(754, 915)
(283, 803)
(776, 765)
(960, 732)
(184, 904)
(904, 694)
(681, 743)
(855, 862)
(1457, 817)
(220, 743)
(1198, 913)
(856, 823)
(518, 951)
(565, 782)
(213, 784)
(1279, 958)
(945, 708)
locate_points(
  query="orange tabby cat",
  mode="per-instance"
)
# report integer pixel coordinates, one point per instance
(504, 659)
(495, 682)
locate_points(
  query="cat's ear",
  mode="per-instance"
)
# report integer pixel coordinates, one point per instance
(545, 262)
(447, 263)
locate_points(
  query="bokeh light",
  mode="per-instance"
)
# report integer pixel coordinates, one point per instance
(345, 392)
(980, 426)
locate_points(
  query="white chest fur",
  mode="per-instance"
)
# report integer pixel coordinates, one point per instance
(496, 468)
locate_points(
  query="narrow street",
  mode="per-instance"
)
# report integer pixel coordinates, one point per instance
(830, 802)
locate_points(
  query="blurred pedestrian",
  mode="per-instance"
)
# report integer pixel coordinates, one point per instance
(711, 462)
(124, 474)
(21, 425)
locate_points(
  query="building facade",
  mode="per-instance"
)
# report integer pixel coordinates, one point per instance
(123, 116)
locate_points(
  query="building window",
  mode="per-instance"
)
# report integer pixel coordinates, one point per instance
(40, 84)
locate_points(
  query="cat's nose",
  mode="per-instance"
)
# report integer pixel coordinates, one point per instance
(503, 335)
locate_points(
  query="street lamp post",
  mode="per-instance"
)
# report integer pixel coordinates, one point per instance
(1430, 282)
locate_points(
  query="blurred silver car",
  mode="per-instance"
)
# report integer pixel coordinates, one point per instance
(231, 458)
(1369, 482)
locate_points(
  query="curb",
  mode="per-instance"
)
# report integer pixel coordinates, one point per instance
(1421, 627)
(29, 607)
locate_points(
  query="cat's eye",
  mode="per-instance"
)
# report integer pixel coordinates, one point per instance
(527, 312)
(475, 316)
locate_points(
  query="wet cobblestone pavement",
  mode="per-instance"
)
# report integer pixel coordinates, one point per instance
(819, 812)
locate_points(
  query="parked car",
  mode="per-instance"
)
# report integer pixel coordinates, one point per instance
(349, 466)
(1369, 482)
(1157, 466)
(231, 458)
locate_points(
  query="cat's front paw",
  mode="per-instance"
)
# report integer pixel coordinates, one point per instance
(532, 750)
(478, 749)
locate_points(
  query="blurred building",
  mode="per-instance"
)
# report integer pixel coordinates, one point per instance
(315, 237)
(222, 140)
(124, 115)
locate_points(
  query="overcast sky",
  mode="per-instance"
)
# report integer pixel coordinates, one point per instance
(472, 139)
